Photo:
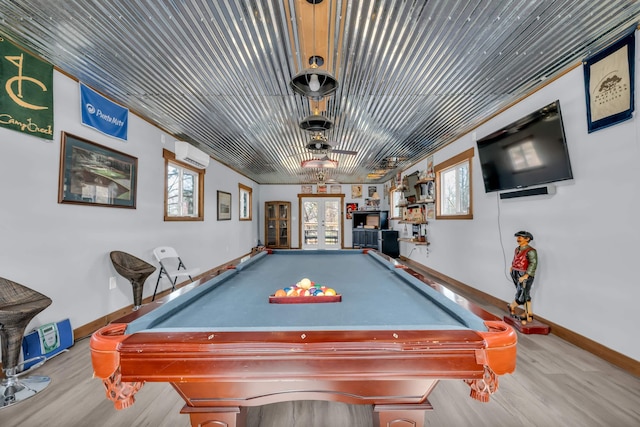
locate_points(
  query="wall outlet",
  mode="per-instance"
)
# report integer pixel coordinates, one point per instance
(112, 283)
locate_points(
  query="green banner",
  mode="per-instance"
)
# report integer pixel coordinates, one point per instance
(26, 92)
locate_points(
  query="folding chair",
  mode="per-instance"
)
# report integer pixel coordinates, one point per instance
(172, 267)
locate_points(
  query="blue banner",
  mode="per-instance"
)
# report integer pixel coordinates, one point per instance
(102, 114)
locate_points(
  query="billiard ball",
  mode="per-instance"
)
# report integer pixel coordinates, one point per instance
(304, 283)
(292, 292)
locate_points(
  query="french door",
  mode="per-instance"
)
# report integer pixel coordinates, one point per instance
(321, 222)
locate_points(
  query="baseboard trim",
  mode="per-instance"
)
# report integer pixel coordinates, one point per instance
(87, 329)
(618, 359)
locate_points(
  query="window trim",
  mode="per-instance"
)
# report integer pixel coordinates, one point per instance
(243, 188)
(171, 157)
(392, 204)
(465, 156)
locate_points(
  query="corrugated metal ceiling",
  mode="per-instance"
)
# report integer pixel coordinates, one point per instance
(413, 75)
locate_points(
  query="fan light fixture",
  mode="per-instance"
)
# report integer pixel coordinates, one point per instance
(318, 143)
(316, 123)
(323, 163)
(314, 83)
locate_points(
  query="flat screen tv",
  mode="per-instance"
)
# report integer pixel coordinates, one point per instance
(531, 151)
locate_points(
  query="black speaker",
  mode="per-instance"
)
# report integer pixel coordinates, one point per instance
(538, 191)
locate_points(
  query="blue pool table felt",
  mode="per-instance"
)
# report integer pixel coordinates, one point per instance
(375, 296)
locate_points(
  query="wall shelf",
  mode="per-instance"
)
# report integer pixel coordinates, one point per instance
(415, 242)
(424, 181)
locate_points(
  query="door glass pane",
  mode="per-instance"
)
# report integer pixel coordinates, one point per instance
(310, 223)
(331, 222)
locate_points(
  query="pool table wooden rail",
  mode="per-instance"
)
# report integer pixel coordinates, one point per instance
(220, 373)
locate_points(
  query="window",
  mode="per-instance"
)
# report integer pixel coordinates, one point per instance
(184, 190)
(396, 208)
(245, 202)
(453, 180)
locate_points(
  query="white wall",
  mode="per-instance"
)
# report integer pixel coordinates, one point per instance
(62, 250)
(586, 234)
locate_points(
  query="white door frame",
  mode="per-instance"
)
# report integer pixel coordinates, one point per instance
(322, 198)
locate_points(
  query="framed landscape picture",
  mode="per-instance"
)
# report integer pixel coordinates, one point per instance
(224, 206)
(92, 174)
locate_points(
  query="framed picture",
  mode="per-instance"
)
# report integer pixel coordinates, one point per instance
(224, 206)
(351, 207)
(306, 189)
(372, 203)
(244, 198)
(431, 211)
(92, 174)
(356, 191)
(335, 189)
(608, 82)
(322, 188)
(430, 173)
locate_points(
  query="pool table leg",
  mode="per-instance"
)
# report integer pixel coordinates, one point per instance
(401, 415)
(232, 416)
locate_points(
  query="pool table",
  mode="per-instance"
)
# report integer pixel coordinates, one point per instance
(225, 347)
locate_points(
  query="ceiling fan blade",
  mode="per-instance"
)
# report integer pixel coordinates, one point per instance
(353, 153)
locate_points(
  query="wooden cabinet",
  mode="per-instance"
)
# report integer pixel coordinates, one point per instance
(277, 222)
(365, 238)
(376, 219)
(370, 230)
(385, 241)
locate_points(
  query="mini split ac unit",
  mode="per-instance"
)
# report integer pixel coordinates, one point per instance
(187, 153)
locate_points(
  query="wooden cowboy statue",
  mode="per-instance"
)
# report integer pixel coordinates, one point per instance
(523, 269)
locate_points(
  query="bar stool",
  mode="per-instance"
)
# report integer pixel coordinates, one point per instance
(18, 306)
(135, 270)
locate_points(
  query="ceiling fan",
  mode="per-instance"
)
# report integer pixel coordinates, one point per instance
(318, 144)
(320, 163)
(322, 178)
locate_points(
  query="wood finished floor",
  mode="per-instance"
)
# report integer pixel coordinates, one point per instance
(555, 384)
